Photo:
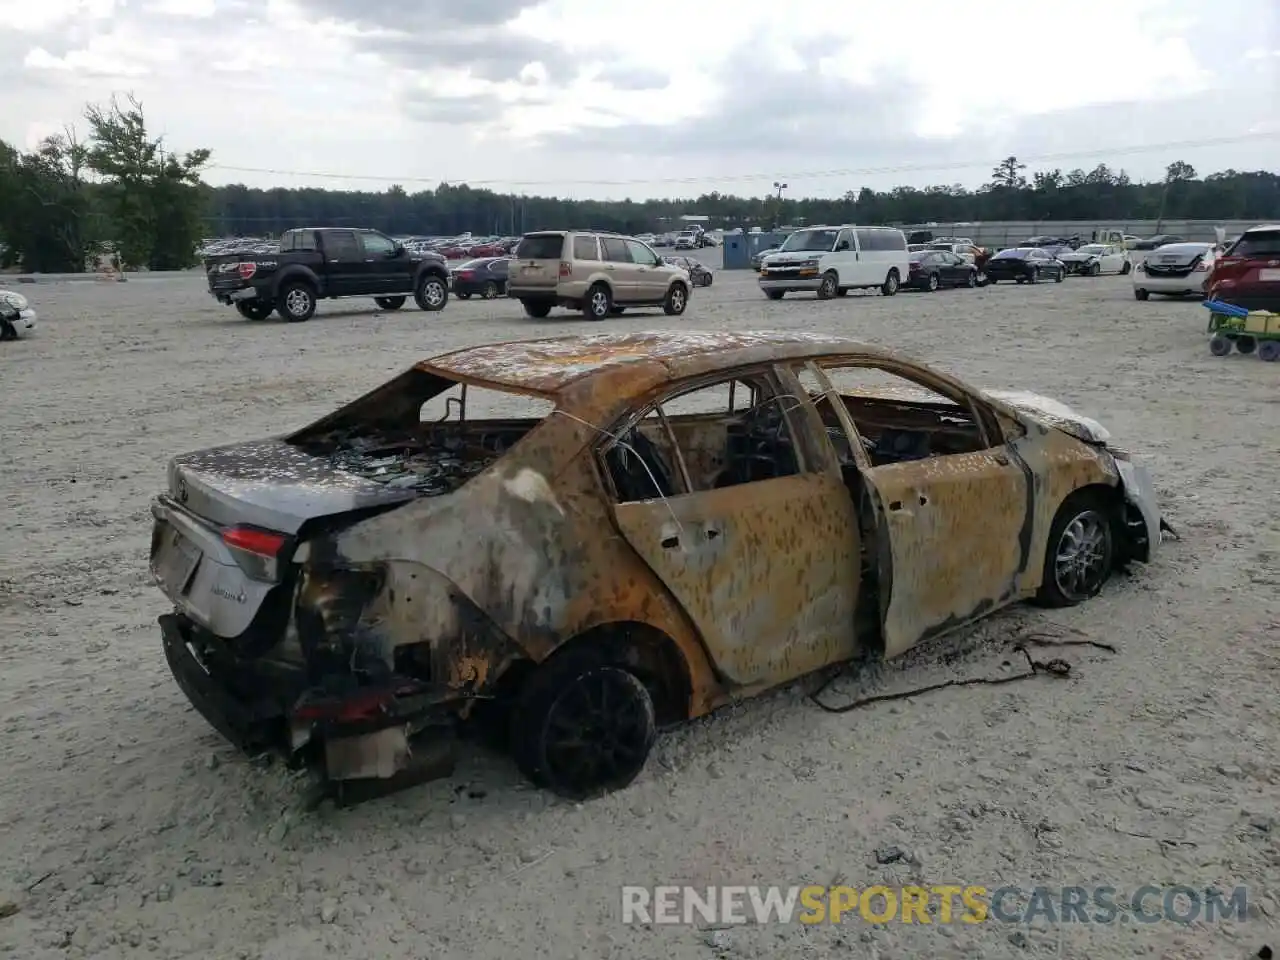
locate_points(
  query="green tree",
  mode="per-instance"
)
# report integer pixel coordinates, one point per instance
(45, 205)
(154, 197)
(1008, 173)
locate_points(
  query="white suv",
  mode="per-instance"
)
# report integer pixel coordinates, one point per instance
(831, 261)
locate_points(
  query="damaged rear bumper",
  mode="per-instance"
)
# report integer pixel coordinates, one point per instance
(402, 731)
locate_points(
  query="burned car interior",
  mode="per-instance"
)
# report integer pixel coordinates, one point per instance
(422, 437)
(722, 435)
(738, 431)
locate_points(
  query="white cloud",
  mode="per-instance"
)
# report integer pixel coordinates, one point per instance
(720, 94)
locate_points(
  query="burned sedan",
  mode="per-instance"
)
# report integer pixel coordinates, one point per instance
(696, 518)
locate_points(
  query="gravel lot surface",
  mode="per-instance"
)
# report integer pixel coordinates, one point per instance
(129, 829)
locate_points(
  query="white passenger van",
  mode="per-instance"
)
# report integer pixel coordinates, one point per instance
(831, 261)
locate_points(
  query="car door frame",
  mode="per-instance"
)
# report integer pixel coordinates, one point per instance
(384, 271)
(846, 262)
(727, 555)
(651, 284)
(622, 274)
(979, 572)
(345, 276)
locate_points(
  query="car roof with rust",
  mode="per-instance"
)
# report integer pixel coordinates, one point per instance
(550, 365)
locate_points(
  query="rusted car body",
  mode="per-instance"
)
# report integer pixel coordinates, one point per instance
(675, 561)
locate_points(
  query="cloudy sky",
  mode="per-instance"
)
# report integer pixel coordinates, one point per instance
(594, 98)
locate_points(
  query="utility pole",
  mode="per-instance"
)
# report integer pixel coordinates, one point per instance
(779, 187)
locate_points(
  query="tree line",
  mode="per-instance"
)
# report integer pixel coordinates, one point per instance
(117, 191)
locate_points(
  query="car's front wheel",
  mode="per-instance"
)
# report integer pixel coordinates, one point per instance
(582, 726)
(1141, 294)
(1081, 551)
(932, 283)
(677, 300)
(432, 293)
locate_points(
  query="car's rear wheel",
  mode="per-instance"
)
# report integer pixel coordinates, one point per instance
(775, 294)
(390, 303)
(432, 293)
(255, 309)
(296, 301)
(490, 290)
(1081, 551)
(1141, 294)
(538, 309)
(598, 302)
(971, 279)
(932, 283)
(677, 300)
(706, 279)
(582, 726)
(890, 285)
(1246, 344)
(1060, 275)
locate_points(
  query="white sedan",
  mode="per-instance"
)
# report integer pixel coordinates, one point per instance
(1175, 270)
(1095, 258)
(17, 318)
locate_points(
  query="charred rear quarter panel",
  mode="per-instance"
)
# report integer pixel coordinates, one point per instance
(528, 547)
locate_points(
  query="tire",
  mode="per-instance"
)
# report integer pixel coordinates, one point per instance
(617, 311)
(432, 293)
(597, 303)
(891, 284)
(842, 291)
(676, 301)
(932, 283)
(255, 309)
(1269, 351)
(1035, 276)
(390, 303)
(1141, 294)
(828, 286)
(7, 331)
(1246, 344)
(1081, 552)
(463, 296)
(1221, 346)
(489, 291)
(1095, 269)
(538, 309)
(553, 699)
(296, 301)
(1060, 275)
(1124, 271)
(775, 294)
(706, 280)
(971, 279)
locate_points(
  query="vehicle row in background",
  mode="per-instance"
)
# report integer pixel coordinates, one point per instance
(1025, 265)
(486, 277)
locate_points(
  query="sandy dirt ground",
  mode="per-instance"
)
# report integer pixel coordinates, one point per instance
(129, 829)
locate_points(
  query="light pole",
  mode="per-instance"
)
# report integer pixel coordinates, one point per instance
(779, 187)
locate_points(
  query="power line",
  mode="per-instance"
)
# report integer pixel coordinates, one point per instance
(749, 177)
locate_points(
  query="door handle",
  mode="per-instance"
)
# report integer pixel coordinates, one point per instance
(670, 543)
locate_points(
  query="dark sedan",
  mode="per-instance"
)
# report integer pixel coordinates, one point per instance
(699, 275)
(486, 277)
(1025, 265)
(931, 269)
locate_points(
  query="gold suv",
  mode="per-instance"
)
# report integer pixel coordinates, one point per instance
(600, 274)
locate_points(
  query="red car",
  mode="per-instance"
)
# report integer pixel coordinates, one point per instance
(486, 250)
(1248, 273)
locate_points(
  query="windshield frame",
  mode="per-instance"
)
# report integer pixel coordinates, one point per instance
(833, 231)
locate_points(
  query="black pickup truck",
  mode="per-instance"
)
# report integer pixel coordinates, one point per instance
(327, 262)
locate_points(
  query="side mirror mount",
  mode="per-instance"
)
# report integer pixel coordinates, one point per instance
(842, 245)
